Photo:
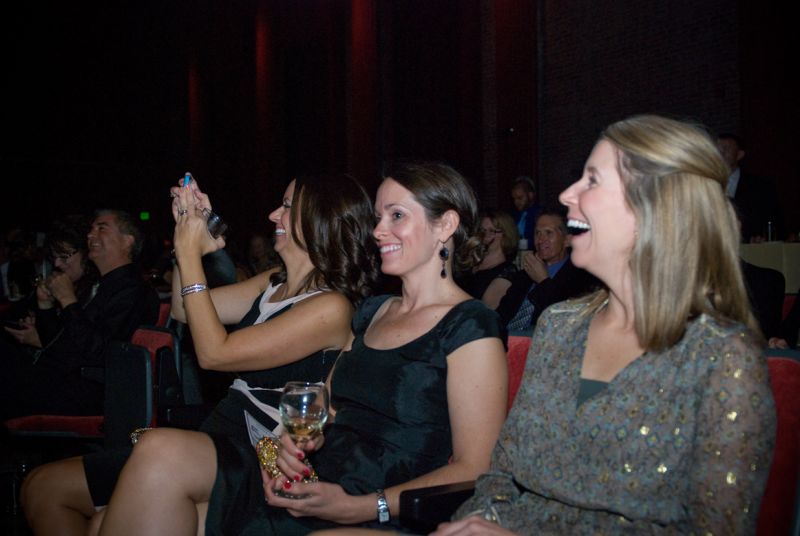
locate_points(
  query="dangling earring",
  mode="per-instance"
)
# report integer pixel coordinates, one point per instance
(444, 254)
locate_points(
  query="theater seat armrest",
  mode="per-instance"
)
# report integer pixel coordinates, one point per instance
(422, 509)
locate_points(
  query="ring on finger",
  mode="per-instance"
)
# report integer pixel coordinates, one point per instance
(182, 211)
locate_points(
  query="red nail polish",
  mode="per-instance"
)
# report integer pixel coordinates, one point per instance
(287, 485)
(300, 455)
(306, 472)
(297, 478)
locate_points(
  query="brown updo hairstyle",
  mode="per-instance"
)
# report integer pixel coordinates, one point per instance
(335, 216)
(439, 188)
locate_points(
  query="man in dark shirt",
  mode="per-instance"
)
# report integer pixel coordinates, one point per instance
(49, 380)
(754, 197)
(548, 276)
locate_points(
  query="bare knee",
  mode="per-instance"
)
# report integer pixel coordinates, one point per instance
(56, 486)
(164, 446)
(172, 457)
(31, 486)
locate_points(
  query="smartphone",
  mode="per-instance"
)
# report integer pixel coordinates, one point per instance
(216, 226)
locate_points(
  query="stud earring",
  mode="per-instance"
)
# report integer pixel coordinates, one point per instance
(444, 254)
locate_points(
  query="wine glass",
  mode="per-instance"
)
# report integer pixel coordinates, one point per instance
(304, 410)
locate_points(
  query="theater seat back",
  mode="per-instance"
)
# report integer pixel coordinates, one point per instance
(518, 345)
(779, 506)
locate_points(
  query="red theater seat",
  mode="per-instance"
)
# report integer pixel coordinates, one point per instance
(779, 505)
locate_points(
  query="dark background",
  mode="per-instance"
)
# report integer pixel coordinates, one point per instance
(107, 104)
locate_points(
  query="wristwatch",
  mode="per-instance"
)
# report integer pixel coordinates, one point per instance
(383, 507)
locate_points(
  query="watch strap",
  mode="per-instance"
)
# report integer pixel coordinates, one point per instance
(383, 507)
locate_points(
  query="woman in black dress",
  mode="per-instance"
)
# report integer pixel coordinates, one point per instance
(419, 396)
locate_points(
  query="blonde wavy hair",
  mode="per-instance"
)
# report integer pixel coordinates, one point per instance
(685, 261)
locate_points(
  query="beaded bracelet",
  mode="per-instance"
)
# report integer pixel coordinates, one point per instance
(191, 289)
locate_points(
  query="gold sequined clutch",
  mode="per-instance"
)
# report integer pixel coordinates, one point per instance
(267, 451)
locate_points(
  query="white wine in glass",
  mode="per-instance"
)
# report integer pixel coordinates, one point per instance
(304, 410)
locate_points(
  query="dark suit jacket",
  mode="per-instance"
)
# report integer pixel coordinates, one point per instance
(765, 288)
(791, 325)
(757, 203)
(569, 282)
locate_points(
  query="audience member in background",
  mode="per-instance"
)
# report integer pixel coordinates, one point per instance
(645, 407)
(419, 394)
(523, 194)
(489, 280)
(52, 381)
(790, 326)
(755, 197)
(261, 255)
(291, 325)
(548, 275)
(39, 316)
(766, 288)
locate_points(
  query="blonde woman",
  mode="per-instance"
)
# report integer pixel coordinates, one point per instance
(489, 280)
(645, 407)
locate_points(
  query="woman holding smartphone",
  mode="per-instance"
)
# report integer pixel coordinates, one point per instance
(292, 324)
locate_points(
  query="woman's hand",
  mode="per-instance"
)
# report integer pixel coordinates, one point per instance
(202, 200)
(777, 342)
(290, 463)
(27, 334)
(190, 207)
(322, 500)
(44, 299)
(471, 525)
(291, 456)
(534, 267)
(60, 286)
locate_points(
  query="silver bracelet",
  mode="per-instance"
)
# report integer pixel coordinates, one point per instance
(191, 289)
